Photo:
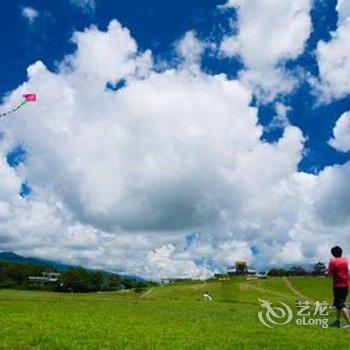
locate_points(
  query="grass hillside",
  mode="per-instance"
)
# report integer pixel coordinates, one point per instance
(172, 316)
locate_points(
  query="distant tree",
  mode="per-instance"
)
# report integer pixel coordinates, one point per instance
(277, 272)
(140, 286)
(297, 271)
(319, 269)
(75, 279)
(16, 273)
(3, 264)
(128, 283)
(96, 281)
(113, 282)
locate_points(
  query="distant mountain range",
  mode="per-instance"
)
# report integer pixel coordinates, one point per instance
(15, 258)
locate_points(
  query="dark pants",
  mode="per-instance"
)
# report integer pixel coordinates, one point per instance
(340, 295)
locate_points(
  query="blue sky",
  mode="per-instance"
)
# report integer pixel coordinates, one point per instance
(202, 131)
(153, 25)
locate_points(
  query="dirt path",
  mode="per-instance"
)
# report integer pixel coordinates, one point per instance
(245, 286)
(294, 290)
(199, 286)
(148, 292)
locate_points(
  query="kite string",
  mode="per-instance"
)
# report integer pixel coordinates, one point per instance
(14, 109)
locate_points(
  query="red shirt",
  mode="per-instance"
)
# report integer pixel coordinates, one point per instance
(338, 268)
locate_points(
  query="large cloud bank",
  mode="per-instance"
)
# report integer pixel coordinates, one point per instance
(122, 178)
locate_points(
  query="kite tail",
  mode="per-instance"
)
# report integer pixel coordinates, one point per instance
(14, 109)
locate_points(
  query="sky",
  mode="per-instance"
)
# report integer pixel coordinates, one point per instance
(171, 141)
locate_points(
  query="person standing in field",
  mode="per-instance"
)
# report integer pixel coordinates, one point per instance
(338, 268)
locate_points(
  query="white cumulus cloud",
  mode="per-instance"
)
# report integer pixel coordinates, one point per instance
(333, 59)
(341, 133)
(190, 49)
(267, 34)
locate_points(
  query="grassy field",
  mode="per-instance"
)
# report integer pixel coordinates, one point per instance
(172, 316)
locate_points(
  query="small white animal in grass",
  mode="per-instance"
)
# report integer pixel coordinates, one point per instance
(207, 296)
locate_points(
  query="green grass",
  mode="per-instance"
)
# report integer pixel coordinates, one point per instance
(172, 316)
(318, 288)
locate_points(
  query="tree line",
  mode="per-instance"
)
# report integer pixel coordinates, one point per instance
(74, 279)
(318, 269)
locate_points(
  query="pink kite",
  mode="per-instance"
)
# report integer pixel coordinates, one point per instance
(26, 98)
(30, 97)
